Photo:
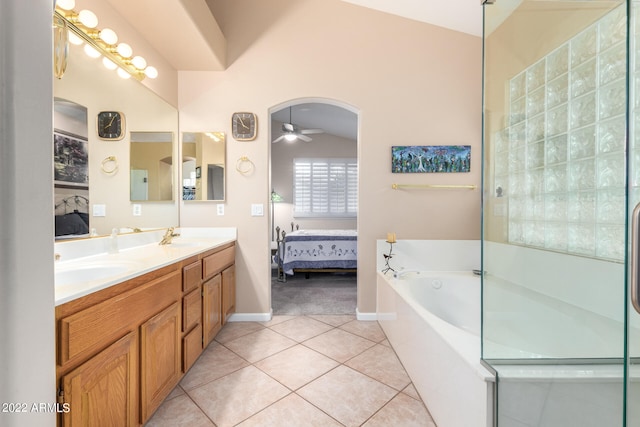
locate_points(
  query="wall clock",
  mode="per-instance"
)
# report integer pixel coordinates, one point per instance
(244, 126)
(111, 125)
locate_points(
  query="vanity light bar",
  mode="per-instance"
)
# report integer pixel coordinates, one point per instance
(136, 67)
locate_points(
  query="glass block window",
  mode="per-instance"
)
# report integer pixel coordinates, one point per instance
(325, 187)
(561, 158)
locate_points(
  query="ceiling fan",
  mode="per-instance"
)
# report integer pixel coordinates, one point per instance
(291, 132)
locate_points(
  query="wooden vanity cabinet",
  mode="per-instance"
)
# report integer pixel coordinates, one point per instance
(160, 361)
(192, 345)
(219, 275)
(211, 308)
(228, 292)
(103, 390)
(121, 350)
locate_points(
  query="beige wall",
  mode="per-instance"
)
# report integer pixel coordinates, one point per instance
(410, 83)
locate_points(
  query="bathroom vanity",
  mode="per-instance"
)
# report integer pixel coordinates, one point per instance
(124, 341)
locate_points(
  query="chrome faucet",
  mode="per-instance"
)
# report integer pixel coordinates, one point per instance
(399, 274)
(168, 236)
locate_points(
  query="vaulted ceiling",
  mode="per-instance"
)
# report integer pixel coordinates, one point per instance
(187, 34)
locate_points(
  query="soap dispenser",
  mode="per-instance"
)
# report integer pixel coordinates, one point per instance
(113, 241)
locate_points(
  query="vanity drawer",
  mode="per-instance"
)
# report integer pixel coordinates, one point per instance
(215, 263)
(191, 347)
(191, 276)
(88, 331)
(191, 309)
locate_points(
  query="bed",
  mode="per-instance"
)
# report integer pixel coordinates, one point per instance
(71, 217)
(309, 251)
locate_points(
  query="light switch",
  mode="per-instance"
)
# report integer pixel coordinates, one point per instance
(220, 209)
(99, 210)
(257, 209)
(137, 209)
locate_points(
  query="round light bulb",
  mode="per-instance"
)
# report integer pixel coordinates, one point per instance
(139, 62)
(290, 137)
(66, 4)
(88, 18)
(124, 50)
(151, 72)
(123, 74)
(89, 50)
(109, 64)
(74, 39)
(108, 36)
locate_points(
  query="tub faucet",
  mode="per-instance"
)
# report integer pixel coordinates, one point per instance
(399, 274)
(168, 236)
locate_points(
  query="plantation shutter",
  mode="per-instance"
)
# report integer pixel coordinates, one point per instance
(325, 187)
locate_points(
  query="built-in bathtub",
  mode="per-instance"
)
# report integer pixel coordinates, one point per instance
(432, 320)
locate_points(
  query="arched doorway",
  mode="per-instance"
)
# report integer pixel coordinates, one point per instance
(314, 183)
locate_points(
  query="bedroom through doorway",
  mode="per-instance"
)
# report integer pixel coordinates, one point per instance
(313, 209)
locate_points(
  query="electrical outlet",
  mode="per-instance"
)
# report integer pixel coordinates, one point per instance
(220, 209)
(137, 209)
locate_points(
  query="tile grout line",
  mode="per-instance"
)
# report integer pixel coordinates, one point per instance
(302, 343)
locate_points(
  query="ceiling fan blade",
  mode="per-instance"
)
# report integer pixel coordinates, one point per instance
(311, 131)
(304, 138)
(287, 127)
(278, 139)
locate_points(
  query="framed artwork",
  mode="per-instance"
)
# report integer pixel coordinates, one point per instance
(430, 158)
(70, 160)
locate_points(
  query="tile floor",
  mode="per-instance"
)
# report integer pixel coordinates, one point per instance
(296, 371)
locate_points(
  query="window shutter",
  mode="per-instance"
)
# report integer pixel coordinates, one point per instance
(325, 187)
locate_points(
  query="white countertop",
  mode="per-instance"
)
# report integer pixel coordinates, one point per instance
(89, 265)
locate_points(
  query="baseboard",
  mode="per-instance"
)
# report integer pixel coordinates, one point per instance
(265, 317)
(366, 316)
(250, 317)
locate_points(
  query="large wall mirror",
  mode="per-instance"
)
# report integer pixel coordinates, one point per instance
(203, 166)
(88, 83)
(151, 166)
(70, 169)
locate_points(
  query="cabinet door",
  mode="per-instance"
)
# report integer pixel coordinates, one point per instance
(228, 292)
(191, 347)
(211, 308)
(160, 358)
(103, 390)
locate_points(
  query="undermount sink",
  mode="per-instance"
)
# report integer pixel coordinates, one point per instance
(88, 272)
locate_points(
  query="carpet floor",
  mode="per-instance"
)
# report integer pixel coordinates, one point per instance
(321, 293)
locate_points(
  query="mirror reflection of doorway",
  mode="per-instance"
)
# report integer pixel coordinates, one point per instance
(322, 133)
(139, 184)
(215, 182)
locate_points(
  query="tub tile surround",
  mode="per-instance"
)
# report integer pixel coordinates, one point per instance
(431, 255)
(555, 292)
(300, 380)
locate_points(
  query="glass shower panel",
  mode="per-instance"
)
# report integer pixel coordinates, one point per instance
(633, 318)
(554, 221)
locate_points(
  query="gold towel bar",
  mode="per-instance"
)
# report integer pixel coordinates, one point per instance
(399, 186)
